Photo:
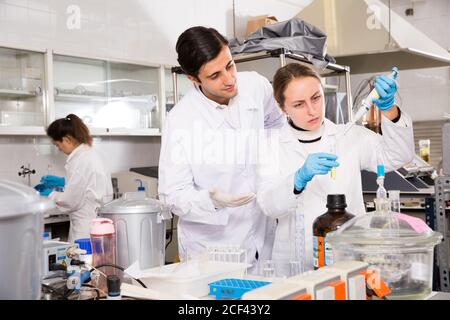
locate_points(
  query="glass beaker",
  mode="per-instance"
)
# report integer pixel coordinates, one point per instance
(424, 149)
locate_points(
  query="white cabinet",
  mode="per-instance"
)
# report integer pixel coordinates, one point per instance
(112, 97)
(22, 91)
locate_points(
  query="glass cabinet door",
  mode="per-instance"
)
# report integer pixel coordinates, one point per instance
(21, 88)
(183, 86)
(107, 94)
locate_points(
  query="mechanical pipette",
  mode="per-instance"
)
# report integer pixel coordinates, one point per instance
(367, 102)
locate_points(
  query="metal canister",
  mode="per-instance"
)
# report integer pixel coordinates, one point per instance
(140, 224)
(21, 228)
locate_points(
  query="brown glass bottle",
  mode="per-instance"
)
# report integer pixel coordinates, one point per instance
(331, 220)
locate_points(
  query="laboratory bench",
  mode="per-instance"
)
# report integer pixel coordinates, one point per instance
(53, 289)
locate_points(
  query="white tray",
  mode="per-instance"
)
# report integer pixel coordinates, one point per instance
(190, 278)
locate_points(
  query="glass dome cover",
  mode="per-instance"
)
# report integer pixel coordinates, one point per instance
(385, 228)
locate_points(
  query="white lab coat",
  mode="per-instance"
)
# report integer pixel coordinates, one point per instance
(202, 149)
(88, 183)
(360, 149)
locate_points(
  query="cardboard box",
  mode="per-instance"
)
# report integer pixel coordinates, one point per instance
(255, 23)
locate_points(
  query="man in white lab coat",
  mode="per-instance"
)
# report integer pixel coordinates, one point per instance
(207, 166)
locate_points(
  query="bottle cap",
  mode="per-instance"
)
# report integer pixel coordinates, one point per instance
(336, 201)
(85, 244)
(141, 186)
(113, 284)
(380, 170)
(102, 226)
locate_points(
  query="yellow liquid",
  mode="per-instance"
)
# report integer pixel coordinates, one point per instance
(333, 173)
(425, 154)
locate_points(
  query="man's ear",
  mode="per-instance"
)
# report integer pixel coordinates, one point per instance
(194, 80)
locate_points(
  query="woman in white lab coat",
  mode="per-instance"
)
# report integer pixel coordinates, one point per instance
(293, 183)
(87, 182)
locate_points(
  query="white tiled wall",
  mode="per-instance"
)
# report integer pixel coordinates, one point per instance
(135, 30)
(119, 153)
(138, 30)
(425, 93)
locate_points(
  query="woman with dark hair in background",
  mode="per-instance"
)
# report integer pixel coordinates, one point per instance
(87, 181)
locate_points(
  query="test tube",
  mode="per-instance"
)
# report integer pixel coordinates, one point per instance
(228, 253)
(333, 174)
(333, 151)
(236, 254)
(269, 269)
(295, 267)
(394, 197)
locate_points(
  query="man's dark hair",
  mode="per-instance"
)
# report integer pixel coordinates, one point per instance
(197, 46)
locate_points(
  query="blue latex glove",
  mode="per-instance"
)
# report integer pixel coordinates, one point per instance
(316, 163)
(386, 88)
(53, 181)
(43, 189)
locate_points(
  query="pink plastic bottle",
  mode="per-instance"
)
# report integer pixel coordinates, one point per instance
(103, 242)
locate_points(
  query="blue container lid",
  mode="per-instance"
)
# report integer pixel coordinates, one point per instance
(85, 244)
(46, 235)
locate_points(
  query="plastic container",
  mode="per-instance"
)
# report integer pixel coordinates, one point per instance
(234, 288)
(398, 246)
(103, 243)
(85, 244)
(191, 278)
(21, 230)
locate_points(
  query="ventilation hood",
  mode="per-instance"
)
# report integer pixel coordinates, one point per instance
(369, 37)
